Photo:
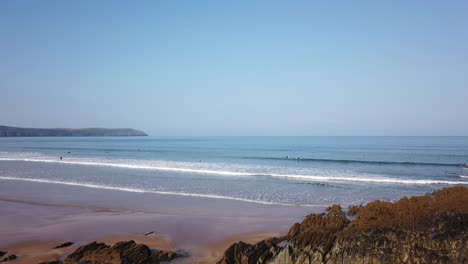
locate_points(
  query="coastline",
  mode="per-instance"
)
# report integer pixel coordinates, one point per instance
(70, 221)
(172, 199)
(431, 228)
(30, 230)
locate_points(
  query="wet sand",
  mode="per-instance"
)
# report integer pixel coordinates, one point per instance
(42, 251)
(33, 223)
(37, 251)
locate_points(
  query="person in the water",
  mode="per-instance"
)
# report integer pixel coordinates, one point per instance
(61, 158)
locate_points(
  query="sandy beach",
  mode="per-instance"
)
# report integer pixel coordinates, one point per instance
(201, 228)
(233, 132)
(35, 232)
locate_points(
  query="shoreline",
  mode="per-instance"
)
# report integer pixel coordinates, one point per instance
(42, 250)
(40, 247)
(39, 215)
(202, 227)
(31, 230)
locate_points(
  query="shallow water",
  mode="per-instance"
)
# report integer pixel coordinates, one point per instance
(306, 171)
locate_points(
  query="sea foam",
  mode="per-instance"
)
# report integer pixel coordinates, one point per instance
(178, 167)
(138, 190)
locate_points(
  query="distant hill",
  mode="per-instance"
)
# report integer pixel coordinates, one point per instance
(6, 131)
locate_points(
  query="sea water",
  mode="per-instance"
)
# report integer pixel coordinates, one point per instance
(304, 171)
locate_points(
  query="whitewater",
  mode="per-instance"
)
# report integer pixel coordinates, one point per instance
(286, 171)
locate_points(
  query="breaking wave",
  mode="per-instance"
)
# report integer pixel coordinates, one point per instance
(139, 190)
(362, 161)
(302, 177)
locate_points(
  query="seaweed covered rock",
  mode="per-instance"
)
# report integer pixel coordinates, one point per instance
(424, 229)
(127, 252)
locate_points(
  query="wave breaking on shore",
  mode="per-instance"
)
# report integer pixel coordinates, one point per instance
(178, 168)
(137, 190)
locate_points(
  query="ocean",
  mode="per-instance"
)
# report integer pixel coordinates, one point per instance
(288, 171)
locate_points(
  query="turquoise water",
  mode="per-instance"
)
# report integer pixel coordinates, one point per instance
(308, 171)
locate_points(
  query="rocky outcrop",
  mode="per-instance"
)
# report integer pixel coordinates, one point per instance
(259, 253)
(424, 229)
(11, 257)
(127, 252)
(7, 131)
(66, 244)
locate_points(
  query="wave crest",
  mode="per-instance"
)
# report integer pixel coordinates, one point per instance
(375, 180)
(376, 162)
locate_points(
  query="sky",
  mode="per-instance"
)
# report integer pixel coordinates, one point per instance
(237, 68)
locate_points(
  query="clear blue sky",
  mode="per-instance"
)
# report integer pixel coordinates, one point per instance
(237, 67)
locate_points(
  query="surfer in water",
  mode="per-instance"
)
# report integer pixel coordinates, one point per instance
(61, 158)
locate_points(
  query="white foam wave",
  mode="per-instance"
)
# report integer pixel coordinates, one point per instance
(131, 166)
(376, 180)
(371, 180)
(137, 190)
(463, 176)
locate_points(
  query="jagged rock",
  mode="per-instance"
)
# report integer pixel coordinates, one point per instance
(235, 253)
(294, 230)
(66, 244)
(163, 256)
(354, 210)
(2, 253)
(243, 253)
(11, 257)
(127, 252)
(424, 229)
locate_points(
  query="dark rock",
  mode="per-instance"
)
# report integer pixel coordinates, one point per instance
(11, 257)
(243, 253)
(424, 229)
(294, 230)
(2, 253)
(164, 256)
(86, 251)
(52, 262)
(66, 244)
(127, 252)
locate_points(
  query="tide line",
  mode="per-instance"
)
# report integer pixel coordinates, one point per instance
(136, 190)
